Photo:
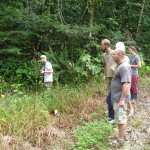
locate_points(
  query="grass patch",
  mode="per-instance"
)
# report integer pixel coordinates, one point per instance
(23, 114)
(92, 135)
(147, 148)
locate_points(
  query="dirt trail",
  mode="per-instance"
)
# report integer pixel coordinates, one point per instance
(138, 130)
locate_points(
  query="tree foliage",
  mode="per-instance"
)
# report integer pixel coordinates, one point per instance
(73, 27)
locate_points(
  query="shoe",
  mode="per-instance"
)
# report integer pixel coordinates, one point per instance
(112, 121)
(133, 100)
(132, 113)
(118, 142)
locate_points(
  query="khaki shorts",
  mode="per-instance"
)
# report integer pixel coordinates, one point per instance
(120, 118)
(48, 85)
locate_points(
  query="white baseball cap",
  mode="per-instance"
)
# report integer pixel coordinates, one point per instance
(43, 56)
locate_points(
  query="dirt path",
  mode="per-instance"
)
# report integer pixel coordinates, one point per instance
(138, 131)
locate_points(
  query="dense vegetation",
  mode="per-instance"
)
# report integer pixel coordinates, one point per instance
(69, 33)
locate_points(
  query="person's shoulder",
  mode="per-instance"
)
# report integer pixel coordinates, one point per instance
(48, 63)
(104, 54)
(111, 51)
(137, 56)
(125, 65)
(126, 56)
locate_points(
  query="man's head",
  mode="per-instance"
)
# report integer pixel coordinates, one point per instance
(118, 55)
(43, 58)
(132, 50)
(105, 44)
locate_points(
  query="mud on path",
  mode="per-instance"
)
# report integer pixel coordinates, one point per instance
(138, 130)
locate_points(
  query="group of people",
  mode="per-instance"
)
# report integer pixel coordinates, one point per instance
(121, 74)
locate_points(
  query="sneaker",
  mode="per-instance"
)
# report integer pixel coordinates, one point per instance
(133, 100)
(112, 121)
(118, 142)
(132, 113)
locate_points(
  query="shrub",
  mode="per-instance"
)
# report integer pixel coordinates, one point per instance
(145, 70)
(92, 135)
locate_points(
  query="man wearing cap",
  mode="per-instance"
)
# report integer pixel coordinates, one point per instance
(47, 71)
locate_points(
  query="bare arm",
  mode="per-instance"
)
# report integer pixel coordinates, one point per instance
(138, 65)
(104, 73)
(49, 71)
(105, 70)
(113, 68)
(125, 90)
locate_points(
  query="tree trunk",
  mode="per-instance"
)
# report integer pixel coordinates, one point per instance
(140, 18)
(91, 19)
(43, 5)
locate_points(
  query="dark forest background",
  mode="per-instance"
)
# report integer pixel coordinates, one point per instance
(69, 33)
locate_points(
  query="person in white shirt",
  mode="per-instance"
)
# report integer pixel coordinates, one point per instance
(47, 71)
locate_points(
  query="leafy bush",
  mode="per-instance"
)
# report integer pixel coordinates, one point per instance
(78, 71)
(20, 70)
(145, 70)
(92, 135)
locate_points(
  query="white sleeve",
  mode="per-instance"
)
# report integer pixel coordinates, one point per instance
(49, 66)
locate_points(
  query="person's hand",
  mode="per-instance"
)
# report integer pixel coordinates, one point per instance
(103, 78)
(42, 71)
(112, 68)
(121, 104)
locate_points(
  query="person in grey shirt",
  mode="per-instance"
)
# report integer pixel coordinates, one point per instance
(120, 92)
(135, 63)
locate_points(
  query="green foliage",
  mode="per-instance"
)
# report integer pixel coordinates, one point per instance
(25, 108)
(145, 70)
(88, 66)
(24, 71)
(17, 113)
(73, 30)
(92, 135)
(82, 69)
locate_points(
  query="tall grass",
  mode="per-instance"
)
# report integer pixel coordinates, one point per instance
(24, 113)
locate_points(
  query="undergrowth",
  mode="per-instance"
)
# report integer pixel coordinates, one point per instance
(92, 135)
(23, 114)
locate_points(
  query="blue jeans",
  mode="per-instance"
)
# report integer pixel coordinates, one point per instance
(110, 106)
